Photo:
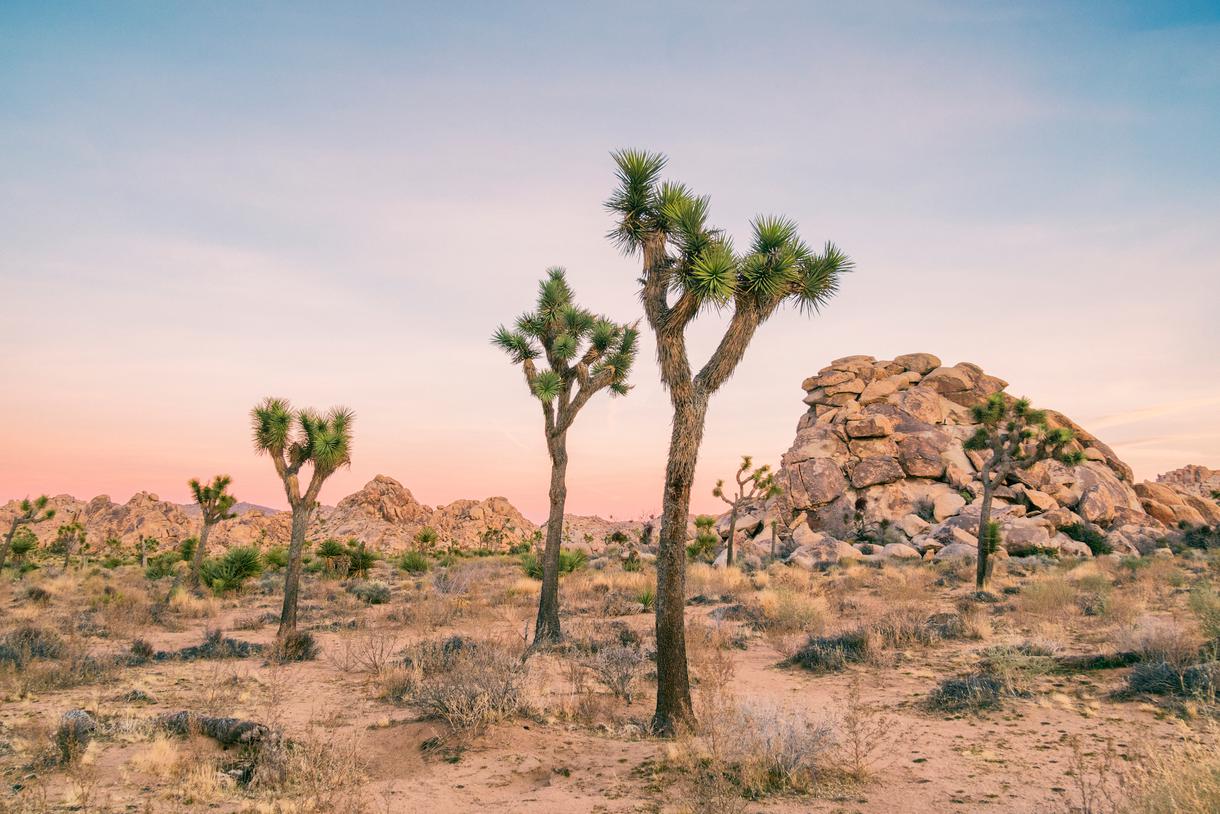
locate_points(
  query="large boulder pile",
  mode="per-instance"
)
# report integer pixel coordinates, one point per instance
(878, 469)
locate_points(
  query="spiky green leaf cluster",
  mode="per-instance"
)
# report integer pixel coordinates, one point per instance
(215, 502)
(1017, 435)
(777, 267)
(572, 340)
(303, 436)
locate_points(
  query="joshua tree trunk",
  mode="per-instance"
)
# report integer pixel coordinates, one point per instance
(546, 629)
(728, 557)
(8, 543)
(984, 565)
(292, 577)
(673, 682)
(197, 556)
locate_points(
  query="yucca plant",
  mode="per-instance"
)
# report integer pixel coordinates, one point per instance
(69, 539)
(295, 439)
(1015, 436)
(567, 354)
(752, 484)
(215, 505)
(689, 268)
(228, 573)
(24, 541)
(359, 558)
(28, 513)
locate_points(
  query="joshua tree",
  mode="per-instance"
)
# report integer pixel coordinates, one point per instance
(583, 353)
(294, 438)
(752, 484)
(1016, 436)
(69, 537)
(697, 267)
(215, 505)
(28, 513)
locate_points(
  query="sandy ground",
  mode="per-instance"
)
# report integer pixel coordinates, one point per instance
(1017, 759)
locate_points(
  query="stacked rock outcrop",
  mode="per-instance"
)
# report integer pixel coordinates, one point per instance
(879, 468)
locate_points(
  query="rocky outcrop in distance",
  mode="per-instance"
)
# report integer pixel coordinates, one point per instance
(878, 469)
(383, 514)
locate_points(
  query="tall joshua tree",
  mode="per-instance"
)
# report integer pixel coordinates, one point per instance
(688, 268)
(215, 505)
(583, 354)
(294, 439)
(28, 513)
(1016, 436)
(752, 484)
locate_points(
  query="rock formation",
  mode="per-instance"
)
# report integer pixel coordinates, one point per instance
(878, 468)
(384, 514)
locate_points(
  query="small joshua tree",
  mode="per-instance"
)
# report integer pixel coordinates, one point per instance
(69, 538)
(584, 354)
(295, 439)
(689, 268)
(1016, 436)
(215, 505)
(752, 485)
(28, 513)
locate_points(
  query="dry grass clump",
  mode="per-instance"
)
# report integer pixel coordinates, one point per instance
(706, 580)
(1165, 639)
(35, 659)
(468, 684)
(320, 772)
(608, 593)
(1052, 595)
(1183, 779)
(617, 668)
(752, 750)
(188, 606)
(785, 610)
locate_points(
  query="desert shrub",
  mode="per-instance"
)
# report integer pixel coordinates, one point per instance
(161, 565)
(229, 572)
(1178, 779)
(186, 549)
(570, 560)
(468, 685)
(1164, 639)
(1164, 678)
(1205, 603)
(28, 642)
(647, 598)
(37, 595)
(757, 750)
(1047, 596)
(297, 645)
(783, 610)
(276, 557)
(373, 593)
(414, 562)
(827, 654)
(904, 625)
(1202, 537)
(1083, 533)
(617, 667)
(970, 693)
(925, 509)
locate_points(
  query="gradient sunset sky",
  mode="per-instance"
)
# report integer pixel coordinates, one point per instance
(205, 203)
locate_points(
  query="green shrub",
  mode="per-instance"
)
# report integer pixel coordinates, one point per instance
(925, 510)
(374, 593)
(706, 541)
(229, 572)
(186, 549)
(414, 562)
(276, 557)
(1094, 539)
(359, 558)
(569, 560)
(161, 565)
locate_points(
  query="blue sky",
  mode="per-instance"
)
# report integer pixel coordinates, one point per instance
(201, 204)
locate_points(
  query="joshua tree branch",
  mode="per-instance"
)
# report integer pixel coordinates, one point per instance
(745, 321)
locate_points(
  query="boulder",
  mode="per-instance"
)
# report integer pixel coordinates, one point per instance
(899, 551)
(873, 471)
(872, 426)
(920, 363)
(947, 504)
(957, 551)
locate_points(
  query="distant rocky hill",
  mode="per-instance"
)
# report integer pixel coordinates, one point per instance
(878, 468)
(384, 514)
